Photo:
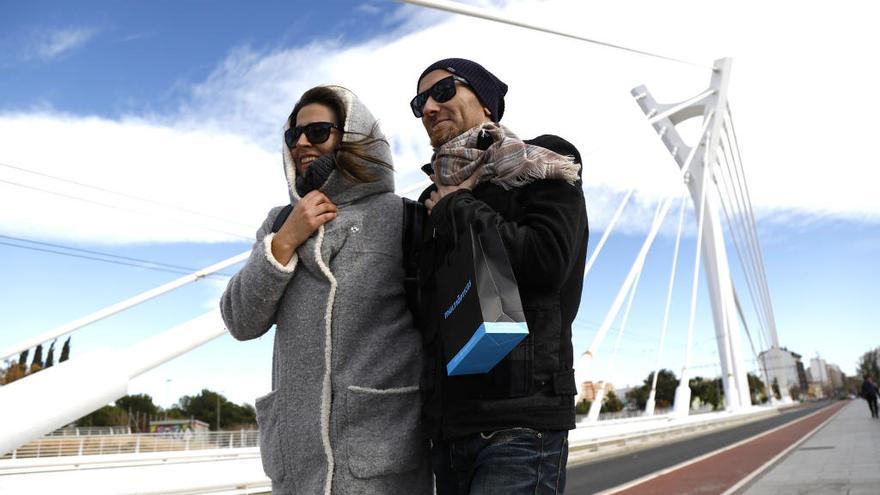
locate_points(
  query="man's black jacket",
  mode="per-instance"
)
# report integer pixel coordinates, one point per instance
(544, 229)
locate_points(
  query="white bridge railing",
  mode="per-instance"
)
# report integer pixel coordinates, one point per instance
(135, 443)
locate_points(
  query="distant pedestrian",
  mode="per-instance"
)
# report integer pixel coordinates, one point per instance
(869, 393)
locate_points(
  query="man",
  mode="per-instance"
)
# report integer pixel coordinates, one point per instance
(869, 393)
(505, 431)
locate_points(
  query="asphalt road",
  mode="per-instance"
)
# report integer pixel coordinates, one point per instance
(608, 473)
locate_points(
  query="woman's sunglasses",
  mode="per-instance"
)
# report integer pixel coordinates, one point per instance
(316, 133)
(442, 91)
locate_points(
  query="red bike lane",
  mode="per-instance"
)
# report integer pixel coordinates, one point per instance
(718, 471)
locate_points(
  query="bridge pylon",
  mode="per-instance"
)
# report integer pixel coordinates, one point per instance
(710, 104)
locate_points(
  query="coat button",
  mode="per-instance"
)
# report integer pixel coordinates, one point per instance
(354, 228)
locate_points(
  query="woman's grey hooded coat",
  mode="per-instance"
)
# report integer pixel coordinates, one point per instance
(343, 414)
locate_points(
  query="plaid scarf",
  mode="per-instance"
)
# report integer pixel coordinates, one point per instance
(508, 162)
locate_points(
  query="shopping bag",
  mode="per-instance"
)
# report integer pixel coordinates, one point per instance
(480, 311)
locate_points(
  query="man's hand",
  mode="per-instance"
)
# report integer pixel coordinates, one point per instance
(442, 190)
(312, 211)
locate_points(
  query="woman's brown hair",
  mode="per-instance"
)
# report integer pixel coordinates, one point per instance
(350, 155)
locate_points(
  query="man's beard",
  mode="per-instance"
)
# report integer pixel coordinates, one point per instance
(444, 135)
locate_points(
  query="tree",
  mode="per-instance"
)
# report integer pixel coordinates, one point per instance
(207, 404)
(50, 358)
(3, 372)
(582, 407)
(65, 351)
(138, 406)
(22, 358)
(666, 383)
(37, 362)
(203, 406)
(175, 412)
(138, 402)
(776, 389)
(869, 365)
(707, 391)
(13, 372)
(611, 403)
(757, 389)
(106, 416)
(237, 417)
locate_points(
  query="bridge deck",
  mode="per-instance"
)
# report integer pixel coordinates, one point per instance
(820, 448)
(718, 472)
(817, 449)
(842, 457)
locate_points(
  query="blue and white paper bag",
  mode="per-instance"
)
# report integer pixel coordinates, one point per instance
(481, 315)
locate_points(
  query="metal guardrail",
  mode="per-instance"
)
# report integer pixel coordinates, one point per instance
(61, 445)
(638, 413)
(635, 413)
(76, 431)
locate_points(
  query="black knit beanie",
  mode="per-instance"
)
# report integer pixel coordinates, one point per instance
(489, 89)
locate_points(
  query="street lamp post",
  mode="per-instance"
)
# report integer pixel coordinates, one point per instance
(167, 397)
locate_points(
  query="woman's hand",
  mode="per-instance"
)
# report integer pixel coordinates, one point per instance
(312, 211)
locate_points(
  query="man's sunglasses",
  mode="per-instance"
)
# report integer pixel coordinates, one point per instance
(442, 91)
(316, 133)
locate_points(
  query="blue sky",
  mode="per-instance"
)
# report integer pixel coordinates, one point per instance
(180, 104)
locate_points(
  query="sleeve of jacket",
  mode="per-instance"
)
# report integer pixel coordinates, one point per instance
(250, 302)
(541, 245)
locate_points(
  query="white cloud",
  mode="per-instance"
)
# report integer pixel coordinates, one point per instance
(369, 8)
(52, 44)
(222, 175)
(581, 92)
(804, 128)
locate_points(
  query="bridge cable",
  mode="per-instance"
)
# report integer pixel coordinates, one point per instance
(596, 406)
(119, 208)
(122, 194)
(749, 235)
(759, 363)
(121, 306)
(583, 361)
(701, 214)
(458, 8)
(134, 262)
(737, 234)
(751, 217)
(741, 204)
(607, 231)
(649, 406)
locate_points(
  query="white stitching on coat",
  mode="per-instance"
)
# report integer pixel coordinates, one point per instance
(326, 389)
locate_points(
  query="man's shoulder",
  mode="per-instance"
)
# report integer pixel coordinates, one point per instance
(556, 144)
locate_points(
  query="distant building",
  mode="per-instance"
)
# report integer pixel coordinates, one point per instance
(785, 367)
(836, 377)
(178, 426)
(589, 389)
(819, 371)
(802, 377)
(815, 390)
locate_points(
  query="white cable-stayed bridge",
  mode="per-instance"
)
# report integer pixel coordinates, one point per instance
(714, 196)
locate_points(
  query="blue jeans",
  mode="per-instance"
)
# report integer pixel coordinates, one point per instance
(510, 462)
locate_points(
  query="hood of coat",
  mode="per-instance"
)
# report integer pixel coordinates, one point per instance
(358, 124)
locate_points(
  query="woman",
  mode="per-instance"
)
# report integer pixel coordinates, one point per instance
(343, 414)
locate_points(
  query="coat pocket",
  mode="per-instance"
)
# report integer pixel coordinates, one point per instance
(269, 423)
(384, 434)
